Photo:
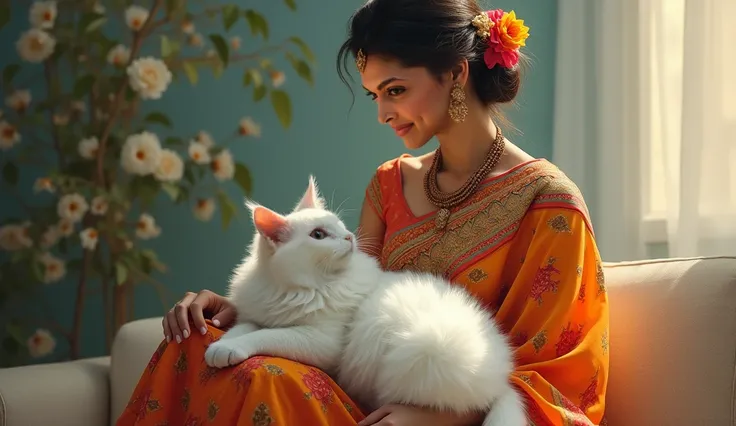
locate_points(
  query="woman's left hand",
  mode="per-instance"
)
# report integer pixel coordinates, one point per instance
(402, 415)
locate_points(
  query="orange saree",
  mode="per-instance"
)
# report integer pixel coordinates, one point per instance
(523, 245)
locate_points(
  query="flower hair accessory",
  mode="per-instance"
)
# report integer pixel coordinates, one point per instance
(504, 33)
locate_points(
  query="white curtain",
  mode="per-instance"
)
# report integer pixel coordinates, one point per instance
(645, 122)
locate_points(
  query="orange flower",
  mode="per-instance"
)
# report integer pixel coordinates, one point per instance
(512, 33)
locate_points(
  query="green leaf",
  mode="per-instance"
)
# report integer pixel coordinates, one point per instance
(37, 269)
(158, 117)
(121, 273)
(83, 85)
(4, 14)
(95, 24)
(282, 106)
(257, 22)
(243, 178)
(168, 47)
(302, 69)
(11, 173)
(253, 76)
(259, 93)
(9, 73)
(171, 189)
(191, 71)
(227, 208)
(306, 51)
(221, 47)
(230, 15)
(291, 4)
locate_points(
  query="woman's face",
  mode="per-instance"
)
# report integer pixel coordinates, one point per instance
(411, 100)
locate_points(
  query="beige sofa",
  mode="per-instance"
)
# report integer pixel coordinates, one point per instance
(673, 355)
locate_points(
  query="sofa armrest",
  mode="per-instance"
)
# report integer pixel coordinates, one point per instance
(60, 394)
(132, 349)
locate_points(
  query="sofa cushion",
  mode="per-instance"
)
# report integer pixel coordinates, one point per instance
(134, 345)
(672, 342)
(60, 394)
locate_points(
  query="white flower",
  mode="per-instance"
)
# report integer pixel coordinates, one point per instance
(248, 127)
(72, 207)
(223, 167)
(146, 227)
(195, 40)
(235, 43)
(41, 343)
(89, 238)
(205, 139)
(99, 206)
(277, 78)
(35, 45)
(19, 100)
(50, 237)
(60, 119)
(9, 136)
(118, 55)
(79, 106)
(44, 184)
(199, 153)
(187, 26)
(88, 147)
(43, 14)
(141, 153)
(54, 268)
(135, 17)
(65, 227)
(170, 167)
(15, 237)
(149, 77)
(204, 209)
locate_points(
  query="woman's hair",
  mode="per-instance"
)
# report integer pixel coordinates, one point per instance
(435, 34)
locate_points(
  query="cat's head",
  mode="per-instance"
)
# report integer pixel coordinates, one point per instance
(308, 245)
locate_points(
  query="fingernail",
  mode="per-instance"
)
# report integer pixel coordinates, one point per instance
(216, 323)
(186, 334)
(168, 338)
(178, 339)
(203, 330)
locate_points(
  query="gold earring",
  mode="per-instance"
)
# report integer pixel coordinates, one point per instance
(458, 109)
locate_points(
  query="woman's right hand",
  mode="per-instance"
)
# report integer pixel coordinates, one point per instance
(197, 306)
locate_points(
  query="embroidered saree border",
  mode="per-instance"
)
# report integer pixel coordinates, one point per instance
(482, 224)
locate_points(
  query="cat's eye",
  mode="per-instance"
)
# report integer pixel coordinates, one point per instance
(318, 234)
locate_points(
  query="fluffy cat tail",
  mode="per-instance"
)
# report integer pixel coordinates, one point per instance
(445, 350)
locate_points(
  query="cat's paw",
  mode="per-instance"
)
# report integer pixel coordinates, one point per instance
(224, 353)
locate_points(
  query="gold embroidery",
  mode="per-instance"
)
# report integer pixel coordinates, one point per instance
(186, 398)
(604, 342)
(559, 224)
(181, 363)
(212, 410)
(373, 194)
(274, 369)
(477, 275)
(600, 277)
(526, 379)
(261, 416)
(540, 339)
(579, 271)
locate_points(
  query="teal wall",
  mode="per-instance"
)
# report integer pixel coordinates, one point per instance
(341, 146)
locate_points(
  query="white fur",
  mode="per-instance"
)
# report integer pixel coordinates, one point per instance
(387, 337)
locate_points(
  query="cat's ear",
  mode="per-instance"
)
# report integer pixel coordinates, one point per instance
(270, 224)
(311, 198)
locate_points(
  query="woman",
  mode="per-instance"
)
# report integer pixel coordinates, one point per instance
(512, 229)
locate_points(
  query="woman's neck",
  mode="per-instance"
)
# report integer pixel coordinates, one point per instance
(464, 147)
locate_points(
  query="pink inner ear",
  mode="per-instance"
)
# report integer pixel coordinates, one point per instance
(270, 224)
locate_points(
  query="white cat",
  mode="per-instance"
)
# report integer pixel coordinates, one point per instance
(305, 292)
